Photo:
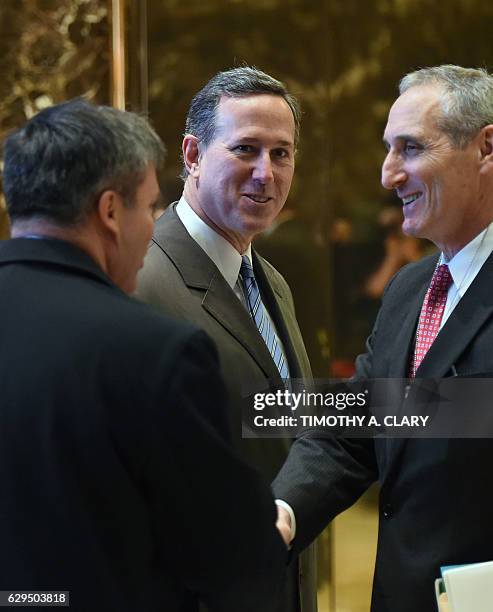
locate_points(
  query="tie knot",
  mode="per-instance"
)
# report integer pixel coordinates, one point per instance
(246, 269)
(442, 279)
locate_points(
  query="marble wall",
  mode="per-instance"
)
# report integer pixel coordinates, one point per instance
(50, 51)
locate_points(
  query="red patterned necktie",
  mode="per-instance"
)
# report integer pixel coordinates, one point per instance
(431, 315)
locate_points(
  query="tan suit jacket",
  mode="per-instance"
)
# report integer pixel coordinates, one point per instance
(179, 279)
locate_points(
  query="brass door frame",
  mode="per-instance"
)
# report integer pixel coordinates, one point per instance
(129, 82)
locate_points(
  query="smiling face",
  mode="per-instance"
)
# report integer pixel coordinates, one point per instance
(239, 183)
(439, 184)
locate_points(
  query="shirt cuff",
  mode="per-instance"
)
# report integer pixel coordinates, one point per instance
(290, 511)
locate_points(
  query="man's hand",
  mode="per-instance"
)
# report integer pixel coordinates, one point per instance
(283, 524)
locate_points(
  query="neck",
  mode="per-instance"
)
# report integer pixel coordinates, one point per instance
(450, 249)
(82, 236)
(238, 241)
(44, 229)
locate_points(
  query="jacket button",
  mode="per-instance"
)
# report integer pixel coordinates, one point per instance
(387, 511)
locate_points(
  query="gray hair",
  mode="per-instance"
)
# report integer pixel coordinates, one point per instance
(234, 83)
(467, 103)
(57, 165)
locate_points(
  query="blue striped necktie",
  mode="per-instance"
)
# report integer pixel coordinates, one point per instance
(259, 315)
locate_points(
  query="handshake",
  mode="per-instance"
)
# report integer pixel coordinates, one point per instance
(284, 525)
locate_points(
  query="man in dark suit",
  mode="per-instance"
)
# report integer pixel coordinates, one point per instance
(436, 498)
(119, 482)
(238, 152)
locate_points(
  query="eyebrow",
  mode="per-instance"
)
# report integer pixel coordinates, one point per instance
(286, 143)
(402, 137)
(279, 143)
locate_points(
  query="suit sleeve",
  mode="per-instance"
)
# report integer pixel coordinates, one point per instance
(213, 516)
(323, 476)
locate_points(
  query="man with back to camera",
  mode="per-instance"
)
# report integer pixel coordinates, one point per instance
(119, 483)
(436, 498)
(238, 152)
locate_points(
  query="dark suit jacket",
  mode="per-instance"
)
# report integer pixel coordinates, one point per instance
(436, 499)
(113, 433)
(179, 279)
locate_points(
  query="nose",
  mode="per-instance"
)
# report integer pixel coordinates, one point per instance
(262, 171)
(393, 172)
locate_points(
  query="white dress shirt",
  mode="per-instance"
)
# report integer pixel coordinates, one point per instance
(464, 267)
(223, 254)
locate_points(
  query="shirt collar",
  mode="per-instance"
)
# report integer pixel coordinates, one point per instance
(223, 254)
(466, 264)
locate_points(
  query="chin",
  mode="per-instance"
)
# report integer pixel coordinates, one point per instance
(258, 224)
(250, 232)
(411, 228)
(128, 286)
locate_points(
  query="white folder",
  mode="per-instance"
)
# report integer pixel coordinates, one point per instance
(470, 587)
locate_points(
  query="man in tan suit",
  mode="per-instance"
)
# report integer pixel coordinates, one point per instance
(239, 157)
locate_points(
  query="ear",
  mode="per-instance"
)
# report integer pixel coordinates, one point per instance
(486, 144)
(191, 154)
(108, 210)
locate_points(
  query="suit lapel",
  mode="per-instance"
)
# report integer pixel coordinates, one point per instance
(462, 326)
(411, 295)
(222, 304)
(405, 338)
(219, 300)
(279, 307)
(458, 332)
(410, 298)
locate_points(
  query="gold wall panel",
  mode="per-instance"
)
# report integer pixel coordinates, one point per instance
(50, 51)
